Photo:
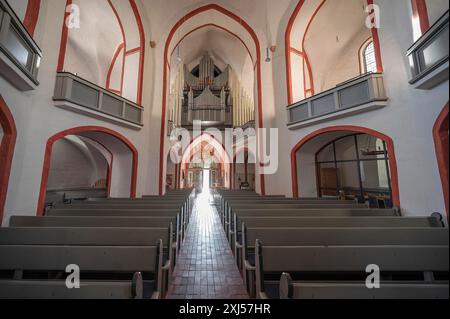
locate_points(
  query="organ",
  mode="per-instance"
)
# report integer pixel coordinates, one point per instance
(207, 95)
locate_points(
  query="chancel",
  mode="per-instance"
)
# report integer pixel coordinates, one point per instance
(135, 140)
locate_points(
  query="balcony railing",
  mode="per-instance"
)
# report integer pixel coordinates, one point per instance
(428, 57)
(358, 95)
(20, 56)
(81, 96)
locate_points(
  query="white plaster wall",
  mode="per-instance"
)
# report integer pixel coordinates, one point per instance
(115, 82)
(74, 165)
(19, 7)
(91, 46)
(436, 8)
(346, 65)
(130, 77)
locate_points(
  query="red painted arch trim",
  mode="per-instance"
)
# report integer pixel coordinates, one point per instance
(252, 33)
(64, 38)
(74, 131)
(218, 27)
(142, 45)
(297, 52)
(358, 129)
(133, 51)
(119, 49)
(124, 42)
(420, 12)
(441, 142)
(305, 54)
(32, 16)
(287, 40)
(361, 49)
(7, 145)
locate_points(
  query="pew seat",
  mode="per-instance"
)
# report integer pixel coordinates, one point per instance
(57, 289)
(348, 264)
(290, 289)
(96, 263)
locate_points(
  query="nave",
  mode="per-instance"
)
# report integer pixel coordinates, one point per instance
(181, 246)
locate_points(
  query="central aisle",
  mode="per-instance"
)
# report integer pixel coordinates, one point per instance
(206, 267)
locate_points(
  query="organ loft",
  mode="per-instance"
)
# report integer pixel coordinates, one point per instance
(209, 94)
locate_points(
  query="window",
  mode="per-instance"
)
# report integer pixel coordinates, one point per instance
(356, 166)
(370, 63)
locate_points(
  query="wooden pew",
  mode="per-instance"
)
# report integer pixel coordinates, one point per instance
(132, 206)
(39, 289)
(76, 236)
(320, 258)
(434, 221)
(92, 221)
(265, 211)
(181, 223)
(94, 261)
(276, 205)
(98, 222)
(290, 289)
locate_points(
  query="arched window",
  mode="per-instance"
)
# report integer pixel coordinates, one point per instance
(356, 166)
(368, 59)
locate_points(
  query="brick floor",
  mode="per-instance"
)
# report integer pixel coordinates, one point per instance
(206, 268)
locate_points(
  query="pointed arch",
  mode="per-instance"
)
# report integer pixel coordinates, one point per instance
(7, 145)
(78, 130)
(169, 39)
(441, 142)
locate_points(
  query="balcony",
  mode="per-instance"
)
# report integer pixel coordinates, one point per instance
(78, 95)
(358, 95)
(428, 57)
(20, 56)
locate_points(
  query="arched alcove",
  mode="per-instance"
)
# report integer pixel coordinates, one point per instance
(366, 158)
(122, 171)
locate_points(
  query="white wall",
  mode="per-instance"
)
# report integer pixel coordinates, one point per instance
(346, 65)
(75, 165)
(436, 8)
(19, 7)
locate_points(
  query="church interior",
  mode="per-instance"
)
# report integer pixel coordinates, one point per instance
(224, 149)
